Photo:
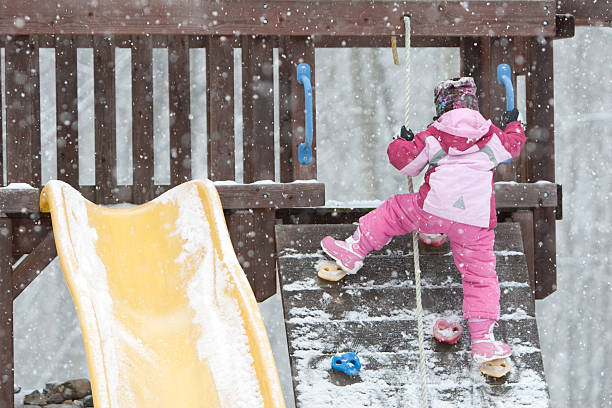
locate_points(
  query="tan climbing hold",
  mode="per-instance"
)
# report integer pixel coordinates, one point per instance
(330, 271)
(496, 368)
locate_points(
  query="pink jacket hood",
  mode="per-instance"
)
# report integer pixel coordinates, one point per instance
(467, 125)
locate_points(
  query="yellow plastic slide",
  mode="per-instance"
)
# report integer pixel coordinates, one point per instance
(168, 317)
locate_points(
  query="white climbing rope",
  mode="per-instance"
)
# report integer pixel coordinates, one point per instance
(415, 239)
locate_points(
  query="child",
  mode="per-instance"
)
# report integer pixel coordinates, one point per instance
(462, 149)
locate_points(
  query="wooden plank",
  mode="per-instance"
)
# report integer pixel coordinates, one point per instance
(541, 158)
(292, 52)
(257, 109)
(121, 194)
(500, 52)
(239, 196)
(454, 365)
(258, 155)
(142, 118)
(33, 264)
(587, 12)
(382, 336)
(565, 26)
(33, 96)
(7, 374)
(520, 68)
(520, 65)
(220, 108)
(22, 111)
(491, 95)
(287, 96)
(391, 380)
(525, 219)
(19, 200)
(286, 195)
(390, 303)
(271, 195)
(28, 232)
(2, 128)
(526, 195)
(254, 245)
(284, 17)
(540, 111)
(105, 118)
(471, 61)
(321, 215)
(559, 208)
(332, 41)
(67, 111)
(180, 109)
(394, 269)
(307, 238)
(357, 41)
(545, 257)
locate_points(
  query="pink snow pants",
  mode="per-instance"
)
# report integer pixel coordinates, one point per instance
(472, 248)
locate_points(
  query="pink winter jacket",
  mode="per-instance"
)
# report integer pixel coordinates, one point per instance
(462, 149)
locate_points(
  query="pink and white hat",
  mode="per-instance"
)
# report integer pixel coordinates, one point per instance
(454, 94)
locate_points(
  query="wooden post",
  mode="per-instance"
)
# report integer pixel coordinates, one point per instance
(105, 122)
(7, 375)
(2, 164)
(180, 109)
(258, 108)
(258, 147)
(22, 111)
(471, 61)
(142, 118)
(67, 112)
(479, 59)
(525, 219)
(499, 52)
(252, 234)
(33, 265)
(220, 108)
(541, 158)
(292, 52)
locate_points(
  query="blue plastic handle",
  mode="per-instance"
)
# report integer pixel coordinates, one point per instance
(305, 148)
(348, 363)
(504, 77)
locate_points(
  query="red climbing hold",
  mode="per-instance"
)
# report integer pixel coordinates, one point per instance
(446, 332)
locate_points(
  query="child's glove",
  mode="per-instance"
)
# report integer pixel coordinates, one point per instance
(401, 152)
(406, 134)
(510, 116)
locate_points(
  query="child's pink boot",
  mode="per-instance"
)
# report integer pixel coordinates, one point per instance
(484, 346)
(348, 254)
(435, 240)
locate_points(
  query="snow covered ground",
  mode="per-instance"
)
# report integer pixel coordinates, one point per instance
(358, 120)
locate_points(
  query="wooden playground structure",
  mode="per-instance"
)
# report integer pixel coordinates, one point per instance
(488, 33)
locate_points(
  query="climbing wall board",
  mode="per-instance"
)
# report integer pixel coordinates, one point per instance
(373, 314)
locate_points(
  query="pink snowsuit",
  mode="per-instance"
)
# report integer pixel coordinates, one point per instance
(462, 149)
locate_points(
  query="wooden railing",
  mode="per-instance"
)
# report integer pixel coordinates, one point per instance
(249, 203)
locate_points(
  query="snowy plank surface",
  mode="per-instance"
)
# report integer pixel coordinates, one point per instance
(372, 313)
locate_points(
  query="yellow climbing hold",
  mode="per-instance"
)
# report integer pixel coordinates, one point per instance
(496, 368)
(330, 271)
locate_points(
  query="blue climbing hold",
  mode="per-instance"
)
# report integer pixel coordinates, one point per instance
(348, 363)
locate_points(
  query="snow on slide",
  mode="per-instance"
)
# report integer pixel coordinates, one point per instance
(167, 314)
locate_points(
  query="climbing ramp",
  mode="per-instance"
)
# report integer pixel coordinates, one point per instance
(167, 315)
(372, 314)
